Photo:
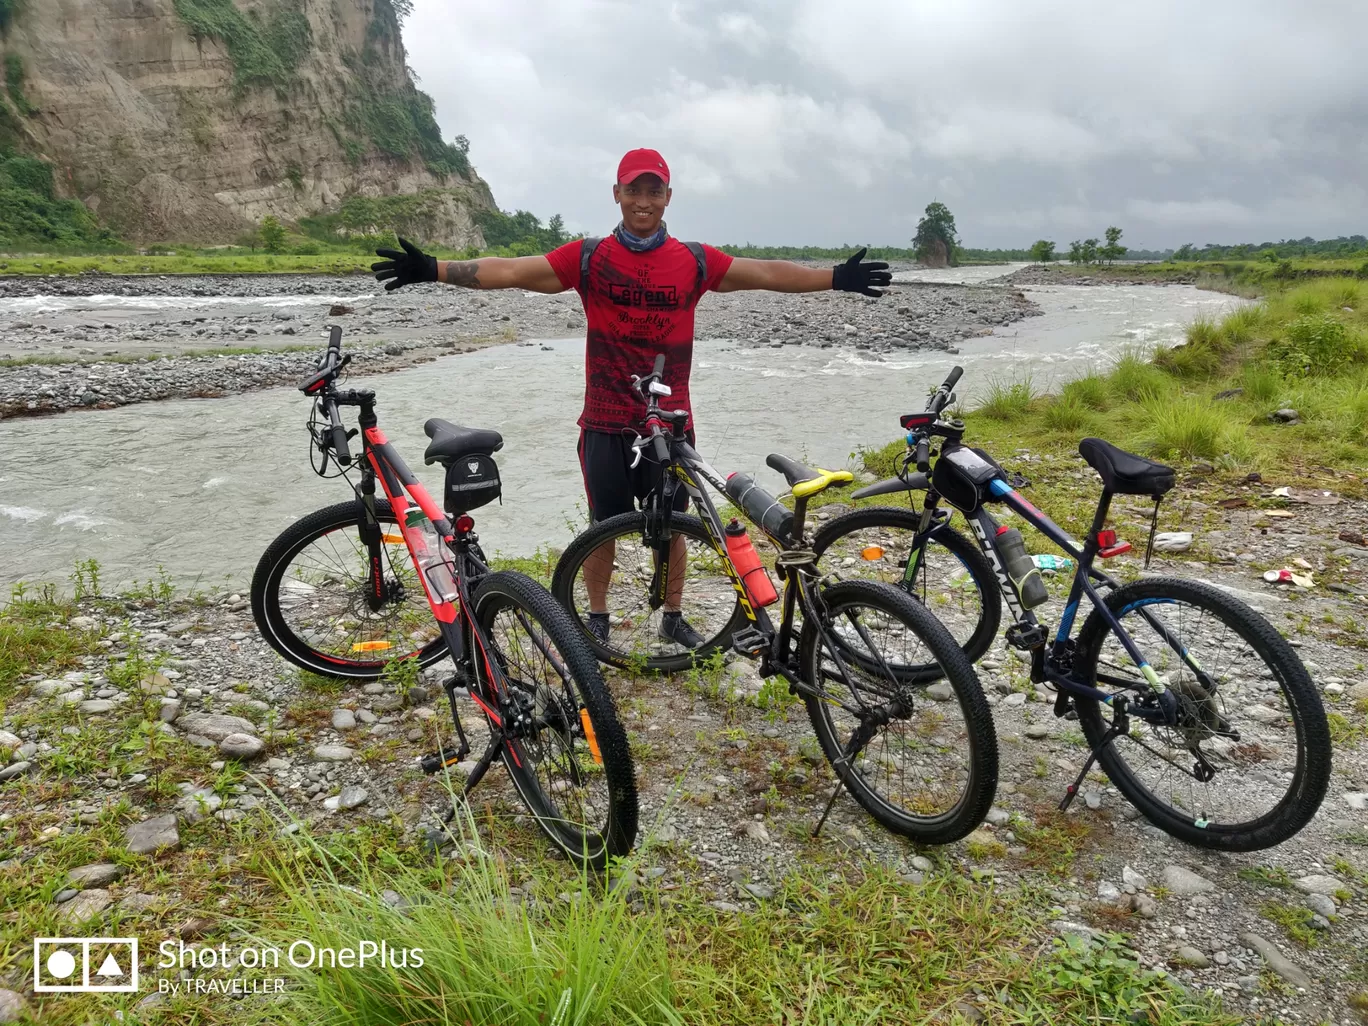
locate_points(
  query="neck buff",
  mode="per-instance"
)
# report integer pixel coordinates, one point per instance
(636, 243)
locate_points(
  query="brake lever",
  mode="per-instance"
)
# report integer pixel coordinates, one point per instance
(640, 446)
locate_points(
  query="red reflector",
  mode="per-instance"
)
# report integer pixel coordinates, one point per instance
(1003, 529)
(464, 523)
(1106, 539)
(1114, 550)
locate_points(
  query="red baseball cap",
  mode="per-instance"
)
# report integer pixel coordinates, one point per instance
(642, 162)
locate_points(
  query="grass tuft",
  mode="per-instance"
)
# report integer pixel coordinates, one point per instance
(1008, 400)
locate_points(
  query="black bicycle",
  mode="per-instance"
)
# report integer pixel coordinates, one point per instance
(336, 595)
(1216, 733)
(921, 759)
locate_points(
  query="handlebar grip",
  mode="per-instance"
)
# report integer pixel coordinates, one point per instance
(955, 374)
(340, 450)
(659, 368)
(335, 337)
(662, 447)
(923, 455)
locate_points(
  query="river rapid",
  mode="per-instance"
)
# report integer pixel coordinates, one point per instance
(200, 486)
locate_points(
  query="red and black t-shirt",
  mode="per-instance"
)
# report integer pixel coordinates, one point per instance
(638, 305)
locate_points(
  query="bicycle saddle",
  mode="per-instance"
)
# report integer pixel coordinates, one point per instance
(452, 441)
(804, 480)
(1126, 473)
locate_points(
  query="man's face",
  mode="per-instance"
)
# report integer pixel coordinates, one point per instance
(643, 201)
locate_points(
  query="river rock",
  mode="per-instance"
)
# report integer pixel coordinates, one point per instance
(1287, 415)
(9, 741)
(351, 797)
(152, 835)
(241, 746)
(1173, 541)
(333, 753)
(940, 692)
(1183, 881)
(343, 719)
(14, 769)
(1276, 960)
(86, 905)
(1326, 885)
(1321, 904)
(13, 1007)
(1133, 879)
(95, 875)
(1188, 955)
(214, 726)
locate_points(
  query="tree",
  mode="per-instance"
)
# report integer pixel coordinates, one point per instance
(1113, 250)
(272, 234)
(1075, 252)
(1184, 252)
(1043, 251)
(249, 240)
(1090, 251)
(935, 242)
(555, 231)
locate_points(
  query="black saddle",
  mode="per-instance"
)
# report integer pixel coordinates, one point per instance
(793, 471)
(451, 441)
(1124, 472)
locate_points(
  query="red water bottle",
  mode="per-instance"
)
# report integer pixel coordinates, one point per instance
(747, 562)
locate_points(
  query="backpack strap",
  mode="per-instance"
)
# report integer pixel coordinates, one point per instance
(589, 245)
(587, 248)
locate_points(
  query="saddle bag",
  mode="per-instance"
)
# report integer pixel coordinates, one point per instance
(472, 481)
(963, 476)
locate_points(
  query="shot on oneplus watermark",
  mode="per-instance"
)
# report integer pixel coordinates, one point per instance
(84, 965)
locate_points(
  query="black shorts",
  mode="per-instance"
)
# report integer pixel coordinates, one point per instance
(611, 483)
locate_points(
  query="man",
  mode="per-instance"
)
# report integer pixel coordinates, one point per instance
(639, 295)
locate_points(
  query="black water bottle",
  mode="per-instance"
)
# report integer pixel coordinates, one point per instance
(1021, 567)
(762, 507)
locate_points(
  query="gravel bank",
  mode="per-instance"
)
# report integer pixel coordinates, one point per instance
(1063, 274)
(730, 792)
(128, 339)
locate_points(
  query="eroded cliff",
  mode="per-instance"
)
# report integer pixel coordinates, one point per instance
(191, 120)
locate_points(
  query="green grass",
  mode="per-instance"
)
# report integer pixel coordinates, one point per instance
(34, 636)
(1008, 400)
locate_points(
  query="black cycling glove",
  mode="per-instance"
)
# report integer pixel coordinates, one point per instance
(853, 276)
(407, 268)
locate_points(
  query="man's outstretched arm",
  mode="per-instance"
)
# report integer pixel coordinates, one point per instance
(786, 276)
(411, 266)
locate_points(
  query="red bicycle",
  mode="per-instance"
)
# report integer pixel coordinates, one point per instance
(334, 595)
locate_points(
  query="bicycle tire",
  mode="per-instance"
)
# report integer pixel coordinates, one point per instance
(626, 525)
(979, 740)
(559, 726)
(270, 612)
(977, 640)
(1311, 774)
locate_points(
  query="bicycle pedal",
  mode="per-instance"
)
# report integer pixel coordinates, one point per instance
(446, 757)
(750, 642)
(1026, 638)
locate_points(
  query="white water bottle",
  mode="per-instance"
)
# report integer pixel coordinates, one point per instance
(434, 559)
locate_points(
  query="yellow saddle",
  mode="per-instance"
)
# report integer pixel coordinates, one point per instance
(804, 480)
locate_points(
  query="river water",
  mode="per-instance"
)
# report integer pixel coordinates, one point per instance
(200, 487)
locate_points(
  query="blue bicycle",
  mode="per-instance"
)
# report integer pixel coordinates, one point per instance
(1216, 733)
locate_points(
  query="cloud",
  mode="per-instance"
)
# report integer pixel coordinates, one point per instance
(792, 121)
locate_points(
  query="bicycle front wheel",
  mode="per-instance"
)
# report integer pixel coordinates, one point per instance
(1248, 762)
(948, 575)
(566, 751)
(615, 548)
(309, 597)
(922, 759)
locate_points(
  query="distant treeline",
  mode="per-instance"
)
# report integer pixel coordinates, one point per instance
(1344, 246)
(965, 255)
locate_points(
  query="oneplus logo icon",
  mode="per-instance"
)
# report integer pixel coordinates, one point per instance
(84, 965)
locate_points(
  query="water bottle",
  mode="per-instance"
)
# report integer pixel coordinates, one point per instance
(747, 562)
(1050, 563)
(434, 562)
(1020, 567)
(760, 505)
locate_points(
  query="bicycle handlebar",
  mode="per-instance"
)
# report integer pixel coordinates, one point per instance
(940, 398)
(339, 435)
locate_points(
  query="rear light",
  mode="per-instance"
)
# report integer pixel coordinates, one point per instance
(1108, 546)
(1106, 539)
(464, 523)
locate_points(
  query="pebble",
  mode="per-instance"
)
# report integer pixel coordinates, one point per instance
(1276, 960)
(152, 835)
(1108, 891)
(1189, 955)
(997, 816)
(1037, 731)
(343, 719)
(940, 692)
(96, 706)
(1134, 879)
(1319, 884)
(13, 1007)
(86, 905)
(14, 769)
(1183, 881)
(351, 797)
(922, 863)
(94, 875)
(1015, 700)
(214, 726)
(241, 746)
(333, 753)
(1092, 800)
(762, 891)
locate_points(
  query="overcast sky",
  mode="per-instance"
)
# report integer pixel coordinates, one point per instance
(834, 121)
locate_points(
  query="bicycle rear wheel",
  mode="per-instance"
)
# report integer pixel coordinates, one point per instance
(922, 759)
(950, 576)
(309, 597)
(709, 602)
(567, 753)
(1259, 732)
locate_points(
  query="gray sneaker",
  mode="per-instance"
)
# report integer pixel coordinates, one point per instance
(598, 626)
(673, 627)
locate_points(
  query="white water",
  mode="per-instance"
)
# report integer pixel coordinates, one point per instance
(202, 486)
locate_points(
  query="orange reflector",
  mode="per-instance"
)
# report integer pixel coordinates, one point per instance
(371, 646)
(392, 539)
(872, 553)
(590, 737)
